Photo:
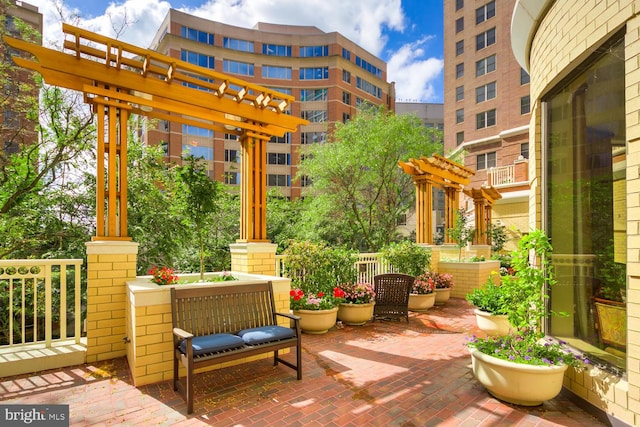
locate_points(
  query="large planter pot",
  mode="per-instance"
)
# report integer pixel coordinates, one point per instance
(492, 324)
(355, 314)
(317, 321)
(517, 383)
(442, 295)
(421, 302)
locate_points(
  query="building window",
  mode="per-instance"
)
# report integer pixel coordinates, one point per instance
(486, 92)
(485, 12)
(346, 76)
(459, 47)
(276, 50)
(486, 39)
(459, 24)
(346, 54)
(273, 72)
(586, 200)
(231, 156)
(197, 35)
(313, 94)
(368, 67)
(236, 67)
(524, 150)
(285, 139)
(486, 65)
(368, 87)
(197, 58)
(230, 137)
(524, 77)
(278, 158)
(311, 51)
(459, 138)
(486, 161)
(313, 137)
(525, 107)
(459, 70)
(237, 44)
(232, 178)
(460, 115)
(459, 93)
(314, 73)
(459, 4)
(486, 119)
(197, 131)
(315, 116)
(346, 98)
(274, 180)
(198, 151)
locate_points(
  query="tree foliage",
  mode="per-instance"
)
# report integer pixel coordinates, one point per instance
(358, 190)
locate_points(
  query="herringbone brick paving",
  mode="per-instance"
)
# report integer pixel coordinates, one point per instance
(379, 374)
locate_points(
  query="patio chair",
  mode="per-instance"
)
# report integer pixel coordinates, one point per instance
(392, 295)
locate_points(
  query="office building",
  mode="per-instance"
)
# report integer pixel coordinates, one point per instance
(329, 76)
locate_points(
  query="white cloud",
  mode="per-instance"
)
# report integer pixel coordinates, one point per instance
(368, 23)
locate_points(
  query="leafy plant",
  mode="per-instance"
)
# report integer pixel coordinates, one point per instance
(461, 233)
(423, 285)
(491, 298)
(498, 236)
(358, 293)
(612, 276)
(407, 257)
(163, 276)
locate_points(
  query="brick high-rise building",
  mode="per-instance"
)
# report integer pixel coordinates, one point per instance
(486, 102)
(329, 76)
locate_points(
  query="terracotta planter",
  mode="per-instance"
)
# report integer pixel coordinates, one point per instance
(317, 321)
(355, 314)
(492, 324)
(421, 302)
(517, 383)
(442, 295)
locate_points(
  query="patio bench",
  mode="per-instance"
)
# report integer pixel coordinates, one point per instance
(215, 324)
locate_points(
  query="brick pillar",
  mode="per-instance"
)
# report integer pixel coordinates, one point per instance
(254, 257)
(110, 264)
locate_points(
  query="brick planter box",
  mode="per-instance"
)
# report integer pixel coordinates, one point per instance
(468, 276)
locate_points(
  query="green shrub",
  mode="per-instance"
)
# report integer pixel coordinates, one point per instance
(407, 257)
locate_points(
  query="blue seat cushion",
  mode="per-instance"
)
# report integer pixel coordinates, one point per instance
(212, 343)
(264, 334)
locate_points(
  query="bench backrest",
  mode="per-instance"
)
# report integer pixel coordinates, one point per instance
(225, 308)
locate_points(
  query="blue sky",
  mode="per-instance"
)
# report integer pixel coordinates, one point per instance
(407, 34)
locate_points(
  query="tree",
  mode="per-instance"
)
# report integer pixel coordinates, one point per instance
(358, 191)
(461, 233)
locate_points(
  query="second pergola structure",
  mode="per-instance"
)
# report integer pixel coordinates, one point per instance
(451, 177)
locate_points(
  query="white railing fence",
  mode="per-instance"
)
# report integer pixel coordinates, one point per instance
(367, 266)
(40, 301)
(501, 175)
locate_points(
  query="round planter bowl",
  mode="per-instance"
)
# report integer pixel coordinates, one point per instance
(421, 302)
(442, 295)
(317, 321)
(517, 383)
(355, 314)
(492, 324)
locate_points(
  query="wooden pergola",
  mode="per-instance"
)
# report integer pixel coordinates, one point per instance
(119, 79)
(483, 199)
(442, 173)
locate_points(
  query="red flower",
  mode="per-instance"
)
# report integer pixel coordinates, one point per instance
(338, 293)
(320, 294)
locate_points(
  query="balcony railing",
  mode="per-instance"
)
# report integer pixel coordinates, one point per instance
(516, 173)
(40, 301)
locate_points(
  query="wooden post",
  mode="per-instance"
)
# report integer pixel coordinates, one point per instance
(253, 184)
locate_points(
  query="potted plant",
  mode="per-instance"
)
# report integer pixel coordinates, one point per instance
(491, 302)
(443, 284)
(610, 301)
(422, 296)
(522, 367)
(316, 271)
(358, 304)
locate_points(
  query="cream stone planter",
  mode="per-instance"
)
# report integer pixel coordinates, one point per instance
(468, 276)
(421, 302)
(317, 321)
(492, 324)
(526, 385)
(355, 314)
(442, 295)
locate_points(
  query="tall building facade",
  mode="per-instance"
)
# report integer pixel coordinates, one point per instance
(18, 85)
(487, 102)
(329, 76)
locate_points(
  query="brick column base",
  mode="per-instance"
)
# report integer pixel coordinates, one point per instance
(254, 257)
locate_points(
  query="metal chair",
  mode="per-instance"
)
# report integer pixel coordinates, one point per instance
(392, 295)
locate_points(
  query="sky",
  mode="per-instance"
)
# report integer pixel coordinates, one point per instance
(407, 34)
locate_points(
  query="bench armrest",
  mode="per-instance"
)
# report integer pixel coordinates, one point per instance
(181, 334)
(290, 316)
